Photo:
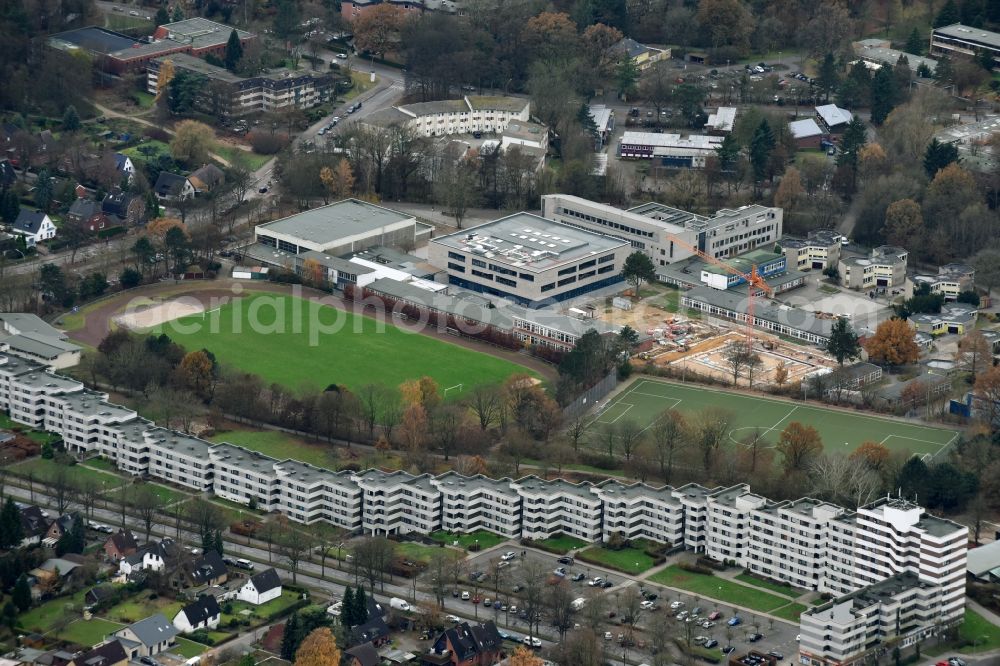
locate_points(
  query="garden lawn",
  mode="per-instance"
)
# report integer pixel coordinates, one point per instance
(287, 598)
(41, 618)
(88, 632)
(719, 589)
(166, 495)
(43, 467)
(767, 585)
(791, 612)
(981, 635)
(292, 340)
(248, 159)
(140, 607)
(100, 464)
(563, 544)
(630, 560)
(40, 436)
(280, 445)
(188, 648)
(415, 551)
(466, 539)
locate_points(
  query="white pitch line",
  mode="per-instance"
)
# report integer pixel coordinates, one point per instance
(763, 434)
(627, 407)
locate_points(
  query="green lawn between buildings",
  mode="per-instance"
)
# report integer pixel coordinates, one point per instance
(562, 544)
(294, 340)
(632, 561)
(467, 539)
(784, 590)
(720, 589)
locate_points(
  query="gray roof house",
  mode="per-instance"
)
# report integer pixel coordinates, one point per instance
(148, 637)
(171, 187)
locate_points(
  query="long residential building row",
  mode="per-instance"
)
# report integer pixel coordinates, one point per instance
(808, 543)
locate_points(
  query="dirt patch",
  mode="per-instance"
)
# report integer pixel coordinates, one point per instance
(155, 315)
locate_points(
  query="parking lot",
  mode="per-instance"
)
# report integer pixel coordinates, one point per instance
(775, 635)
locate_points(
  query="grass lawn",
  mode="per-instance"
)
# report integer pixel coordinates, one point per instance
(414, 551)
(286, 599)
(467, 539)
(362, 82)
(979, 633)
(281, 445)
(141, 606)
(719, 589)
(791, 612)
(40, 436)
(247, 158)
(767, 585)
(188, 648)
(287, 340)
(563, 544)
(42, 468)
(577, 467)
(88, 632)
(100, 464)
(144, 99)
(166, 495)
(41, 618)
(630, 560)
(841, 431)
(147, 150)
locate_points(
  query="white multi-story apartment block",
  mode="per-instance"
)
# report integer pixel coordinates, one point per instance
(454, 116)
(244, 476)
(786, 541)
(895, 535)
(470, 503)
(558, 507)
(308, 494)
(639, 511)
(850, 629)
(398, 503)
(807, 543)
(652, 227)
(179, 458)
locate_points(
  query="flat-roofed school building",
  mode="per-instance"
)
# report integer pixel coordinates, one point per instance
(529, 259)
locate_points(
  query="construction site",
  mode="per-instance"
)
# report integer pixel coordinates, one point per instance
(700, 345)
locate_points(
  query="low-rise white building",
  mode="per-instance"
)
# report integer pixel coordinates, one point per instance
(885, 266)
(472, 113)
(260, 588)
(202, 614)
(671, 150)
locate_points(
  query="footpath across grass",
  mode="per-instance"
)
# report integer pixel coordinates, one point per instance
(42, 468)
(791, 612)
(720, 589)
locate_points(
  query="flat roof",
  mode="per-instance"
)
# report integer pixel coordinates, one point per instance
(329, 224)
(968, 33)
(876, 50)
(581, 490)
(637, 491)
(984, 558)
(200, 32)
(179, 442)
(529, 242)
(193, 64)
(701, 142)
(459, 307)
(43, 346)
(833, 115)
(737, 302)
(93, 39)
(455, 481)
(497, 103)
(723, 119)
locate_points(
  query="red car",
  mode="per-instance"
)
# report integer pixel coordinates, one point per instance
(714, 615)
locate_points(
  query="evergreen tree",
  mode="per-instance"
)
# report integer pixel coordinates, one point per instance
(152, 206)
(948, 15)
(289, 644)
(21, 596)
(10, 615)
(347, 608)
(843, 344)
(827, 79)
(728, 152)
(944, 72)
(586, 120)
(207, 541)
(162, 16)
(79, 534)
(220, 544)
(915, 43)
(11, 529)
(43, 190)
(883, 95)
(10, 206)
(924, 72)
(71, 119)
(761, 144)
(178, 13)
(939, 155)
(360, 605)
(234, 51)
(854, 138)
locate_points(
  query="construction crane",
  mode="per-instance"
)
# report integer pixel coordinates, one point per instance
(754, 282)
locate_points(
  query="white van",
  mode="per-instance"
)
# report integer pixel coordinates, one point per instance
(399, 604)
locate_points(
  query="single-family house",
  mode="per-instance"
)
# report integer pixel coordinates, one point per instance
(49, 576)
(207, 178)
(97, 595)
(33, 524)
(122, 208)
(87, 213)
(171, 187)
(120, 545)
(209, 569)
(261, 588)
(203, 613)
(374, 631)
(109, 653)
(34, 225)
(149, 637)
(125, 166)
(467, 645)
(59, 527)
(362, 655)
(154, 556)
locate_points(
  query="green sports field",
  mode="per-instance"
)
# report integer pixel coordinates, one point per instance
(645, 399)
(293, 341)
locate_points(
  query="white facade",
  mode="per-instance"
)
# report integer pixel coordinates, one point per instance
(398, 503)
(479, 503)
(559, 507)
(464, 116)
(641, 512)
(244, 476)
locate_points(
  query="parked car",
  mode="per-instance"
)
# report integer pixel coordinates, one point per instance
(753, 638)
(565, 560)
(606, 584)
(532, 641)
(608, 636)
(707, 624)
(508, 556)
(734, 621)
(578, 576)
(776, 654)
(341, 56)
(674, 605)
(714, 615)
(454, 619)
(729, 649)
(711, 643)
(243, 564)
(466, 596)
(596, 582)
(487, 602)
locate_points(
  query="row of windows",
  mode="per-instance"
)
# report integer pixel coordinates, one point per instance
(605, 223)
